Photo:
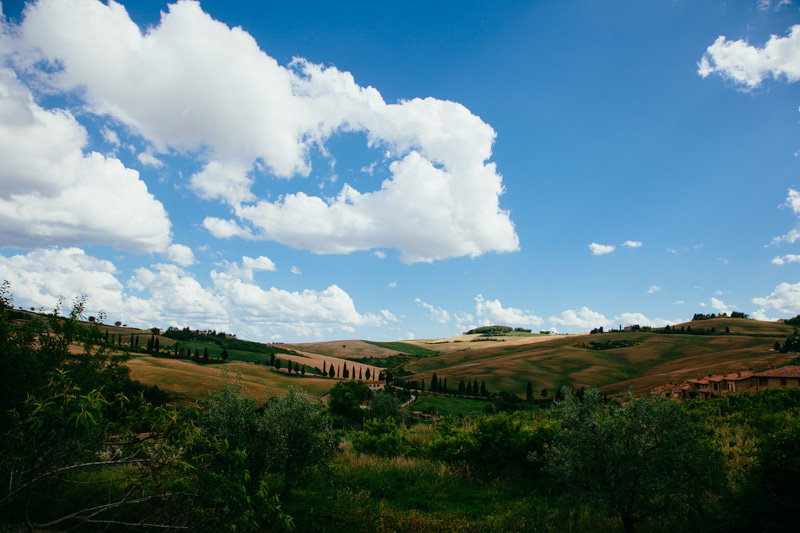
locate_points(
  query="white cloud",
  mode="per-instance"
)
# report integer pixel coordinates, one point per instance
(784, 299)
(110, 136)
(167, 295)
(790, 258)
(632, 244)
(148, 159)
(601, 249)
(793, 203)
(179, 254)
(52, 193)
(761, 314)
(389, 316)
(258, 263)
(442, 197)
(583, 318)
(493, 312)
(720, 306)
(435, 313)
(41, 277)
(630, 319)
(296, 271)
(678, 302)
(653, 289)
(392, 284)
(747, 66)
(380, 254)
(224, 229)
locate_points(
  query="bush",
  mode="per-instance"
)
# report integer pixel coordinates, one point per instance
(380, 437)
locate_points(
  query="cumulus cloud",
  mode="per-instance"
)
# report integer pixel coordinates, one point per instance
(441, 198)
(720, 306)
(258, 263)
(601, 249)
(180, 254)
(148, 159)
(166, 294)
(793, 203)
(789, 258)
(296, 271)
(492, 312)
(435, 313)
(583, 318)
(653, 289)
(52, 193)
(631, 319)
(632, 244)
(784, 299)
(40, 278)
(747, 66)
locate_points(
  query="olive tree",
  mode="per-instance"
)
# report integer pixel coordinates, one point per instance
(298, 435)
(644, 458)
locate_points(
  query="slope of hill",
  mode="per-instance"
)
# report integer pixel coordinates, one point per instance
(550, 362)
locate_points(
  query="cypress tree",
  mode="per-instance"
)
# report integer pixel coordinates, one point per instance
(475, 388)
(462, 388)
(157, 345)
(277, 364)
(483, 388)
(205, 354)
(529, 391)
(331, 371)
(224, 355)
(272, 359)
(324, 372)
(434, 383)
(368, 374)
(359, 374)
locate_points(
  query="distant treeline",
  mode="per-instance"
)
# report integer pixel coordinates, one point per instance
(734, 314)
(495, 330)
(224, 341)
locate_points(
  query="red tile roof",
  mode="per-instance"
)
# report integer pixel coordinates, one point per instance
(785, 372)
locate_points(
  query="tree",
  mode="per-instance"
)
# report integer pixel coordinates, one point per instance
(639, 460)
(384, 405)
(529, 391)
(298, 435)
(368, 373)
(346, 399)
(277, 364)
(544, 393)
(434, 383)
(156, 345)
(224, 355)
(331, 371)
(205, 354)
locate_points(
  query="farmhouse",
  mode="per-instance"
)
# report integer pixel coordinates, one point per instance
(704, 387)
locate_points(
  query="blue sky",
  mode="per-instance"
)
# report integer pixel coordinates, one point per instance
(303, 171)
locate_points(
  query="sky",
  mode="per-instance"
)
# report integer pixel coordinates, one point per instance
(303, 171)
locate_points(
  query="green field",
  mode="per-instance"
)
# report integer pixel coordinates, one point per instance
(405, 348)
(447, 406)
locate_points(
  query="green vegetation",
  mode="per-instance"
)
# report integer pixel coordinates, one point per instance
(83, 447)
(395, 363)
(606, 345)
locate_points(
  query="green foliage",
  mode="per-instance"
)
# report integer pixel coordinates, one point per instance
(384, 405)
(380, 437)
(606, 345)
(81, 448)
(490, 330)
(298, 434)
(639, 460)
(346, 399)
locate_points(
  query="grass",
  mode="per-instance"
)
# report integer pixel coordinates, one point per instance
(187, 381)
(448, 406)
(403, 347)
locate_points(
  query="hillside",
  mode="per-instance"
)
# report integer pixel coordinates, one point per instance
(641, 360)
(508, 363)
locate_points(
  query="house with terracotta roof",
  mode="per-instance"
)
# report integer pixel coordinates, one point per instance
(704, 387)
(787, 376)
